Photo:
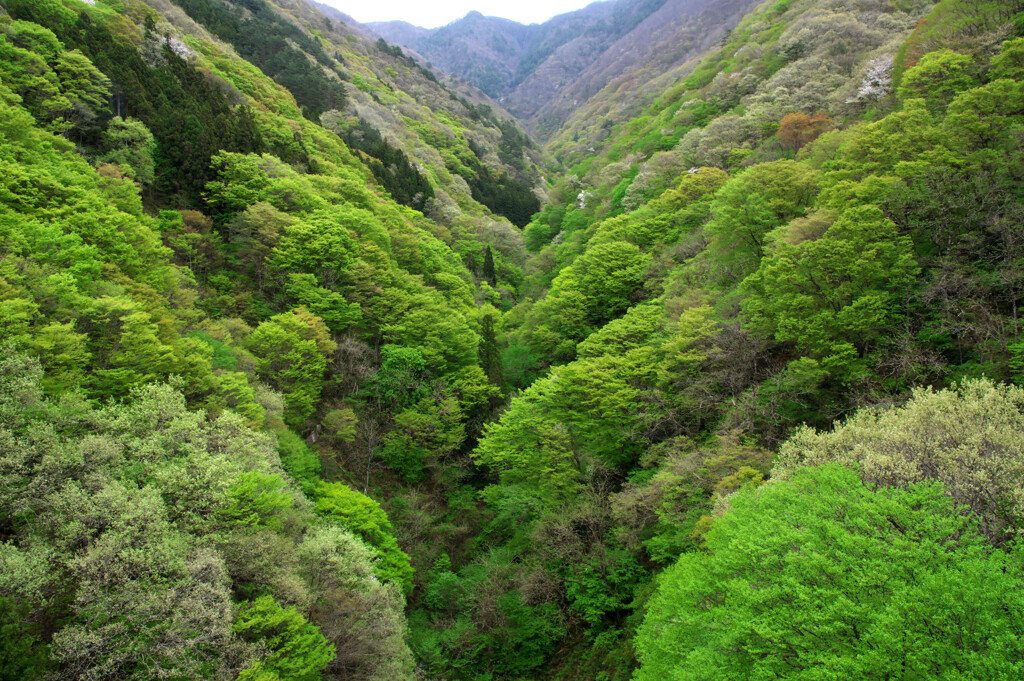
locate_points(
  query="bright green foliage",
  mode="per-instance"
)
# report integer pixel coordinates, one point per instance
(609, 274)
(544, 226)
(748, 207)
(600, 285)
(529, 446)
(442, 337)
(788, 187)
(683, 356)
(62, 89)
(1009, 63)
(363, 516)
(240, 184)
(671, 325)
(695, 186)
(684, 350)
(937, 78)
(835, 295)
(583, 410)
(87, 282)
(187, 112)
(139, 356)
(356, 511)
(50, 12)
(740, 221)
(967, 437)
(130, 144)
(597, 399)
(326, 304)
(638, 327)
(256, 499)
(320, 245)
(302, 464)
(984, 117)
(296, 650)
(237, 394)
(290, 352)
(821, 576)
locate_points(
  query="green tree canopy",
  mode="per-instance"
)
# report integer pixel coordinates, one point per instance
(969, 437)
(128, 142)
(835, 295)
(296, 650)
(291, 351)
(823, 577)
(937, 78)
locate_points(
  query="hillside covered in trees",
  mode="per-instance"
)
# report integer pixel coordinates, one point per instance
(314, 364)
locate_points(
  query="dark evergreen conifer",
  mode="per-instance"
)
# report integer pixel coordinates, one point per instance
(489, 275)
(490, 356)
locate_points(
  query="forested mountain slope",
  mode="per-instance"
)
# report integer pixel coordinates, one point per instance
(202, 235)
(419, 132)
(497, 54)
(543, 72)
(674, 33)
(814, 220)
(284, 396)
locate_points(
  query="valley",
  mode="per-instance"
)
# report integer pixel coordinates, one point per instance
(663, 339)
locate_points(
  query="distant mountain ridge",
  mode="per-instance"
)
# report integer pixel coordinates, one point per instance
(542, 72)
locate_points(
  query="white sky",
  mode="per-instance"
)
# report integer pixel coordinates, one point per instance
(434, 13)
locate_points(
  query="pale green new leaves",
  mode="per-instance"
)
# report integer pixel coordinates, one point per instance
(362, 515)
(529, 445)
(291, 351)
(749, 206)
(242, 182)
(144, 602)
(128, 142)
(970, 437)
(635, 329)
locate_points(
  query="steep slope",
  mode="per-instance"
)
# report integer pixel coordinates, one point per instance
(384, 105)
(485, 51)
(658, 40)
(784, 232)
(187, 287)
(525, 67)
(263, 418)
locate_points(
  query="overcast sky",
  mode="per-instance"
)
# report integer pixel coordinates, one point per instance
(434, 13)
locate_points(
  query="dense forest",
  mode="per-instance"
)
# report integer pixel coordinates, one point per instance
(315, 365)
